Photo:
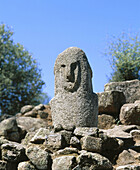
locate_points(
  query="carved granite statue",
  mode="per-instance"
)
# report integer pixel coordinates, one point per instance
(74, 103)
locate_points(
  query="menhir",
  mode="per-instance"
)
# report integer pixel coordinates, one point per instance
(74, 103)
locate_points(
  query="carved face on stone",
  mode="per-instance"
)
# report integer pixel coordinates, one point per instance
(68, 70)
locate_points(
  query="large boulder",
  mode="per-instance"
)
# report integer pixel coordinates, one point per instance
(31, 124)
(110, 102)
(131, 89)
(128, 157)
(86, 131)
(38, 156)
(10, 130)
(26, 166)
(13, 152)
(88, 160)
(130, 114)
(64, 162)
(122, 133)
(105, 121)
(26, 109)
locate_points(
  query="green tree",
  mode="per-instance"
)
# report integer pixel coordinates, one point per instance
(124, 57)
(20, 77)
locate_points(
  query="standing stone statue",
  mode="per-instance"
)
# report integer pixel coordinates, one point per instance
(74, 103)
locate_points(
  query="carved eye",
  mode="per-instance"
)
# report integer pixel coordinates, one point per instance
(73, 66)
(63, 65)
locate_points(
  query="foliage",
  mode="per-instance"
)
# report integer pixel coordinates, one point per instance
(124, 59)
(20, 78)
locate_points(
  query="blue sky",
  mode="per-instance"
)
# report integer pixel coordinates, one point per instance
(47, 27)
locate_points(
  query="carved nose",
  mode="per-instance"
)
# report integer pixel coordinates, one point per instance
(69, 75)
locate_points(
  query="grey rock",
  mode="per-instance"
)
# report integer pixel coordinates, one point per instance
(26, 108)
(32, 113)
(110, 102)
(92, 144)
(3, 165)
(131, 89)
(39, 107)
(66, 151)
(128, 167)
(137, 101)
(13, 152)
(64, 163)
(38, 156)
(3, 140)
(90, 160)
(26, 166)
(40, 136)
(28, 137)
(105, 121)
(5, 116)
(122, 132)
(74, 103)
(75, 142)
(86, 131)
(9, 129)
(42, 114)
(31, 124)
(136, 136)
(130, 114)
(67, 136)
(125, 158)
(55, 141)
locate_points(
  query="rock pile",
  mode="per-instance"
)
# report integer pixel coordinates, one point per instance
(119, 103)
(80, 148)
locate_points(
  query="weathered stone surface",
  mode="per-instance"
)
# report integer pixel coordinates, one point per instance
(131, 89)
(64, 163)
(66, 151)
(122, 132)
(26, 166)
(74, 103)
(13, 152)
(67, 136)
(26, 108)
(128, 167)
(110, 102)
(90, 143)
(5, 116)
(3, 165)
(55, 141)
(28, 137)
(3, 141)
(130, 114)
(136, 136)
(105, 121)
(125, 158)
(91, 161)
(75, 142)
(86, 131)
(38, 156)
(31, 124)
(39, 107)
(40, 136)
(9, 129)
(32, 113)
